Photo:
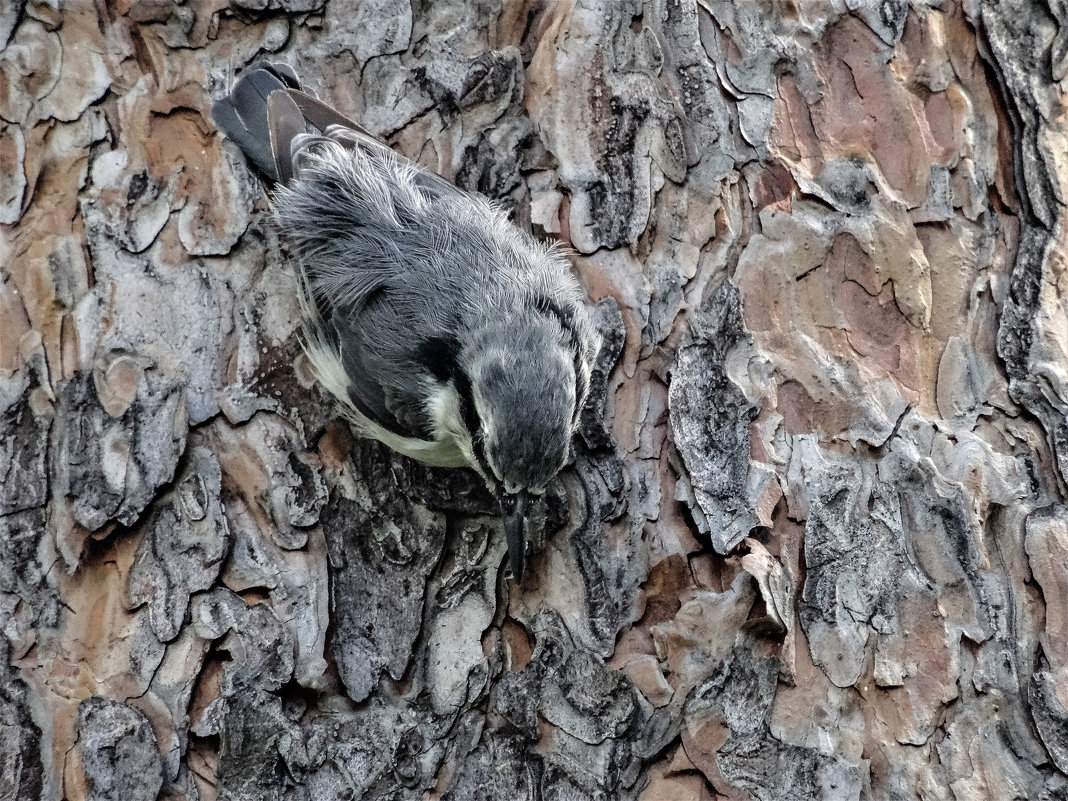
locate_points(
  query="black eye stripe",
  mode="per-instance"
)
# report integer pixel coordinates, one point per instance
(439, 356)
(469, 414)
(468, 410)
(566, 318)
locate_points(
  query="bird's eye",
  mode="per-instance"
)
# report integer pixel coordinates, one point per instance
(508, 503)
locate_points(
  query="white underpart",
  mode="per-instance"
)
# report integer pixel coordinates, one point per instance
(443, 406)
(444, 451)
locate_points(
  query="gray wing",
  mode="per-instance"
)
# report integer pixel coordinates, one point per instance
(346, 256)
(394, 260)
(390, 392)
(360, 216)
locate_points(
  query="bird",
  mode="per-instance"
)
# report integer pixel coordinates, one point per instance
(441, 328)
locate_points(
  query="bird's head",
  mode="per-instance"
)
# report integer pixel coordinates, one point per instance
(528, 381)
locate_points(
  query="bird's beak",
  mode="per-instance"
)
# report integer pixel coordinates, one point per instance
(514, 513)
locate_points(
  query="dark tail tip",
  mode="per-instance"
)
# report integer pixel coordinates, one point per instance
(242, 114)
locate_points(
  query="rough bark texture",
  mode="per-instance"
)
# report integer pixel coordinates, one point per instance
(814, 541)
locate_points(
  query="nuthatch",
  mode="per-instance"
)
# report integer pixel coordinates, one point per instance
(443, 330)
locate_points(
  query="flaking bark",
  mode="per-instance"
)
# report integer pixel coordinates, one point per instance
(814, 540)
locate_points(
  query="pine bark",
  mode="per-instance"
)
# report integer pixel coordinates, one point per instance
(814, 540)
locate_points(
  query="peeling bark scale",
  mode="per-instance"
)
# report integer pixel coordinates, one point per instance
(813, 543)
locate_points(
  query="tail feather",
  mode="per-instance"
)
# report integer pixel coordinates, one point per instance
(286, 123)
(242, 114)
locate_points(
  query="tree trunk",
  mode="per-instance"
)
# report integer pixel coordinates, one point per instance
(814, 542)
